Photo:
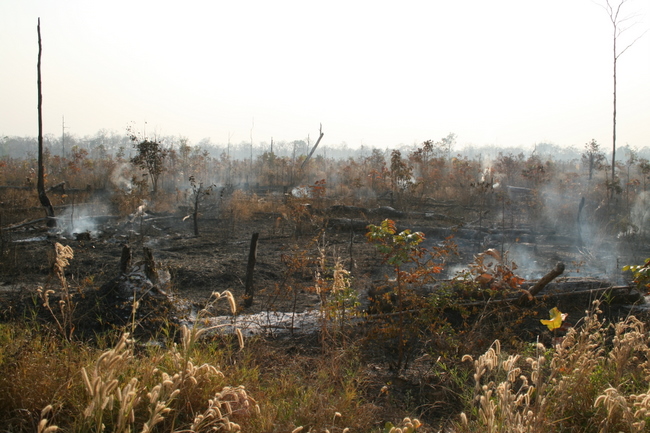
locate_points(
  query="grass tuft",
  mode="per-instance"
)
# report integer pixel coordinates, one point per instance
(590, 381)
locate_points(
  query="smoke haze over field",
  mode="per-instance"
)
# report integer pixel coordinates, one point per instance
(505, 73)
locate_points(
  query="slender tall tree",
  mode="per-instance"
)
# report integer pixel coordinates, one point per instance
(40, 185)
(620, 24)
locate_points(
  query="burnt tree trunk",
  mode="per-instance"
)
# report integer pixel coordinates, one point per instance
(252, 256)
(40, 185)
(313, 149)
(195, 213)
(195, 219)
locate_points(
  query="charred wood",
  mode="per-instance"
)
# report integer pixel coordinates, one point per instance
(352, 224)
(59, 188)
(530, 294)
(126, 259)
(25, 224)
(249, 291)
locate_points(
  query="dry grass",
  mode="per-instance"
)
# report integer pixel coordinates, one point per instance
(205, 382)
(191, 387)
(119, 391)
(59, 260)
(595, 380)
(242, 206)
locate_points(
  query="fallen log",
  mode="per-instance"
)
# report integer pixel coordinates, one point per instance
(25, 224)
(353, 224)
(18, 187)
(59, 188)
(57, 207)
(613, 295)
(431, 216)
(100, 219)
(550, 276)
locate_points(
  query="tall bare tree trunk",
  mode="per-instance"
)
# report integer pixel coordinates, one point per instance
(40, 185)
(614, 118)
(613, 9)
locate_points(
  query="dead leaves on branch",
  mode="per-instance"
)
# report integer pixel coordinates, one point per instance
(492, 271)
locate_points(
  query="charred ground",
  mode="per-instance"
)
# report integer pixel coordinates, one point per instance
(288, 254)
(287, 257)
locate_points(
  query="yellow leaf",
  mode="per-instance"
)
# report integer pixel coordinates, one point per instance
(556, 319)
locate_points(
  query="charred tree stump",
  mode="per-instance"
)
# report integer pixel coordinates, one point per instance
(252, 256)
(530, 294)
(126, 259)
(150, 265)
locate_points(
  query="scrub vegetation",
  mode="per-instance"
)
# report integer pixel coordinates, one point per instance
(410, 260)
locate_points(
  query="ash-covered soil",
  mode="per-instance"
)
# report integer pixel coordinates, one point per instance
(286, 261)
(214, 261)
(187, 269)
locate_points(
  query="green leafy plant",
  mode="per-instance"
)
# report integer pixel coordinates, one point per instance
(398, 250)
(641, 274)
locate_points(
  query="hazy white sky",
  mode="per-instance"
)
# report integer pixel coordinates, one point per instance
(378, 73)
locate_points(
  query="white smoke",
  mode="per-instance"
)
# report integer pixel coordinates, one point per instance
(640, 212)
(120, 177)
(77, 219)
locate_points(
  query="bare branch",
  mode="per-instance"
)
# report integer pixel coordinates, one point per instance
(631, 43)
(618, 10)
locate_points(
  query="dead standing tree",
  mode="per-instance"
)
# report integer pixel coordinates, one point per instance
(40, 185)
(619, 26)
(198, 193)
(313, 149)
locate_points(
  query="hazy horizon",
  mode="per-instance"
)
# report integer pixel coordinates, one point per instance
(503, 73)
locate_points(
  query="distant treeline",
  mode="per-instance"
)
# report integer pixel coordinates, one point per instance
(110, 143)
